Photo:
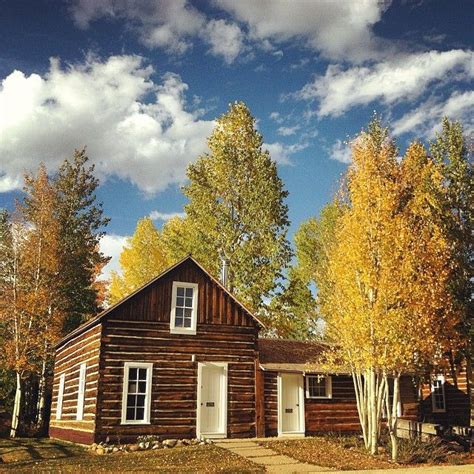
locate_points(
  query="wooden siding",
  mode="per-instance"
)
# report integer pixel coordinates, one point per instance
(457, 400)
(336, 414)
(270, 390)
(84, 348)
(138, 330)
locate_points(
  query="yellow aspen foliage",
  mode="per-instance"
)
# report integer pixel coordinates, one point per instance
(142, 259)
(390, 310)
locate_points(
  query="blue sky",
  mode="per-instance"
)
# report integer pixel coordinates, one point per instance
(140, 83)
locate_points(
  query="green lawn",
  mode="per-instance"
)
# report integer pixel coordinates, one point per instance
(45, 455)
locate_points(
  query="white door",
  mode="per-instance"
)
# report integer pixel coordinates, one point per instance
(291, 404)
(212, 400)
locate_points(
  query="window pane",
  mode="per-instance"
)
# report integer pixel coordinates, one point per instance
(132, 387)
(140, 414)
(179, 312)
(189, 292)
(132, 374)
(317, 387)
(142, 387)
(187, 313)
(180, 291)
(130, 413)
(131, 400)
(180, 301)
(178, 322)
(140, 400)
(189, 303)
(142, 374)
(187, 322)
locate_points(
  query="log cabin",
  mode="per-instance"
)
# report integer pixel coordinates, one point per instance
(181, 357)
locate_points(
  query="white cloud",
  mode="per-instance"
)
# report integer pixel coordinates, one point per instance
(426, 118)
(281, 153)
(111, 246)
(168, 24)
(341, 151)
(337, 29)
(165, 216)
(287, 131)
(134, 128)
(225, 39)
(404, 77)
(276, 116)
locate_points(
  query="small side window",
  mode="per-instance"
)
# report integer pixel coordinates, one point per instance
(81, 392)
(438, 397)
(318, 386)
(59, 405)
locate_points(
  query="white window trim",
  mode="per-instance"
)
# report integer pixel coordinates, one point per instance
(179, 330)
(149, 374)
(433, 405)
(81, 392)
(328, 379)
(59, 405)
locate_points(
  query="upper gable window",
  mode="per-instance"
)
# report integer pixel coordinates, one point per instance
(184, 308)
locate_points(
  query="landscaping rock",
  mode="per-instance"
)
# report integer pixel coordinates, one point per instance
(100, 450)
(93, 446)
(134, 447)
(156, 446)
(169, 443)
(179, 444)
(115, 449)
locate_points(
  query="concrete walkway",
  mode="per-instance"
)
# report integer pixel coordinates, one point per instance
(271, 460)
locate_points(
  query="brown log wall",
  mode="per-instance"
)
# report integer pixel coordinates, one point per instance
(83, 348)
(457, 400)
(174, 380)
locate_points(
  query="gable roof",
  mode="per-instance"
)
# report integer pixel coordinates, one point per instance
(100, 316)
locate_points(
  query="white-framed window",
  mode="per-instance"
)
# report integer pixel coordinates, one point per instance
(318, 386)
(136, 395)
(438, 397)
(184, 308)
(59, 405)
(81, 392)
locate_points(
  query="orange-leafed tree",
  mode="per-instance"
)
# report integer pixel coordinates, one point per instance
(32, 314)
(389, 309)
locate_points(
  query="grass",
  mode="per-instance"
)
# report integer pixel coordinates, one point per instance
(344, 454)
(348, 453)
(45, 455)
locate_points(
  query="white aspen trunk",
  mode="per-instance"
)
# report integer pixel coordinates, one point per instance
(394, 418)
(16, 407)
(373, 412)
(41, 397)
(361, 405)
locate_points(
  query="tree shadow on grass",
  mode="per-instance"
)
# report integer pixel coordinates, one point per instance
(30, 450)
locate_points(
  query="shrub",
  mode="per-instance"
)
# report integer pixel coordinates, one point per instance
(148, 438)
(415, 451)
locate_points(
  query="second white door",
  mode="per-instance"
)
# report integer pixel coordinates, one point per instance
(291, 404)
